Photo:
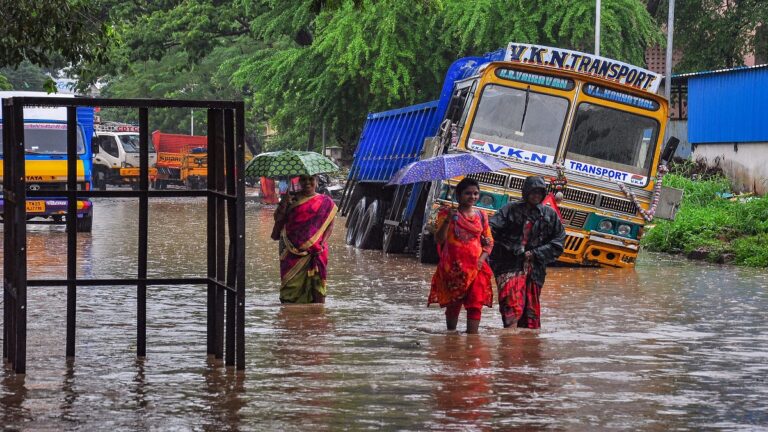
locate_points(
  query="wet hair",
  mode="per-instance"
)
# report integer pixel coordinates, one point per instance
(465, 183)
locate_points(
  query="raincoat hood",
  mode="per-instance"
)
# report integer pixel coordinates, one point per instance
(532, 183)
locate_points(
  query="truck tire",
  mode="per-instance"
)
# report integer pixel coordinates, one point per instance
(354, 219)
(393, 240)
(100, 180)
(84, 224)
(369, 235)
(428, 249)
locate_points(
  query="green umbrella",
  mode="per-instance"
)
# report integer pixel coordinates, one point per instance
(289, 163)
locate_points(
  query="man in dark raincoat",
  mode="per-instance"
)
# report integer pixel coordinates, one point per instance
(528, 235)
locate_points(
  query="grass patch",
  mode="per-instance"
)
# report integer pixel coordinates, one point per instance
(710, 227)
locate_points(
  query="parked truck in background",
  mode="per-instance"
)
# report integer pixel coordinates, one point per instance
(45, 144)
(591, 125)
(181, 160)
(116, 155)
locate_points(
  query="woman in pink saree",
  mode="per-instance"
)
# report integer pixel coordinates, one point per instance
(303, 223)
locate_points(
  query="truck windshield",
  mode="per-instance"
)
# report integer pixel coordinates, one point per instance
(47, 138)
(131, 143)
(520, 118)
(613, 139)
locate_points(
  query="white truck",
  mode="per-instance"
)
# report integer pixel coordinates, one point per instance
(116, 155)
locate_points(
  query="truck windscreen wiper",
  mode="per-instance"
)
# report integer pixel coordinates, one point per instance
(525, 109)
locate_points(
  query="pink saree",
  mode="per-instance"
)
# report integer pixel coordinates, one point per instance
(303, 249)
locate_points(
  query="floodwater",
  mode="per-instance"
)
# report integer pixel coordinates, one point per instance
(670, 345)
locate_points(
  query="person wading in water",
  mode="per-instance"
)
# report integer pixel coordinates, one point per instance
(528, 236)
(463, 276)
(303, 223)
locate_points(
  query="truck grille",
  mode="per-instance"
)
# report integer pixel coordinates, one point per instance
(579, 219)
(573, 243)
(580, 196)
(490, 178)
(621, 205)
(516, 183)
(566, 213)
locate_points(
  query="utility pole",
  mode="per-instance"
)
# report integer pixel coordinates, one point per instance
(323, 137)
(597, 28)
(670, 33)
(192, 121)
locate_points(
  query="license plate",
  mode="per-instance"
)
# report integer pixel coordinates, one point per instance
(35, 206)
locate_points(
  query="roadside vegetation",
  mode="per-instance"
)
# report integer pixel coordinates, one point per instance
(712, 223)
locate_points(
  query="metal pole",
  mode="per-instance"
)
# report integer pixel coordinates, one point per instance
(192, 121)
(71, 230)
(141, 293)
(670, 34)
(597, 27)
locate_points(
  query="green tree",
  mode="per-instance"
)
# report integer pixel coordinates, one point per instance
(26, 76)
(715, 34)
(5, 84)
(307, 64)
(627, 28)
(39, 31)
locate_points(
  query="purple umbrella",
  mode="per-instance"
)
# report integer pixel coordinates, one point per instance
(446, 166)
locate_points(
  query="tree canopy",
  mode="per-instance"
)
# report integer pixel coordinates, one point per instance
(309, 64)
(715, 34)
(40, 31)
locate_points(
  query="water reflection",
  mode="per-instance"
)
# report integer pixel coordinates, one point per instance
(669, 345)
(462, 391)
(520, 382)
(13, 396)
(301, 356)
(225, 391)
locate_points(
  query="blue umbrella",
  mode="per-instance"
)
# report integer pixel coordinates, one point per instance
(446, 166)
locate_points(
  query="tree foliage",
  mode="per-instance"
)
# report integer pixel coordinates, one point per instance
(39, 31)
(26, 76)
(484, 25)
(309, 64)
(715, 34)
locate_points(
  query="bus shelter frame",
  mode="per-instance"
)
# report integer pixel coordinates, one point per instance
(225, 193)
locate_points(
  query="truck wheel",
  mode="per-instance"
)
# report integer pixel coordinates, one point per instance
(84, 224)
(428, 249)
(369, 230)
(394, 241)
(353, 220)
(101, 180)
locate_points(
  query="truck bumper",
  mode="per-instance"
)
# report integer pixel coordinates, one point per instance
(49, 207)
(130, 175)
(596, 249)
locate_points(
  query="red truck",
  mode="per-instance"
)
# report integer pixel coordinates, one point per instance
(181, 160)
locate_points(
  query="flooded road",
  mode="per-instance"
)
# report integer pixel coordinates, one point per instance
(670, 345)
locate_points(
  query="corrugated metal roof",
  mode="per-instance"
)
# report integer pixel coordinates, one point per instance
(719, 71)
(728, 107)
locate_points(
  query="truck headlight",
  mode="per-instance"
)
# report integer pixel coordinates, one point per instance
(605, 225)
(624, 230)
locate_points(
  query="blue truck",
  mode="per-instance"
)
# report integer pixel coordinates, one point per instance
(392, 218)
(45, 144)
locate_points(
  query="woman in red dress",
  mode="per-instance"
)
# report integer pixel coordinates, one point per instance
(463, 276)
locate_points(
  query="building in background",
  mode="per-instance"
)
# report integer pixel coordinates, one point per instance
(725, 114)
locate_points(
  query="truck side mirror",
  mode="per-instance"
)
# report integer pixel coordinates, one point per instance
(669, 149)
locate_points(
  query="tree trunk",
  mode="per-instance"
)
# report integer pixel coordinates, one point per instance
(311, 140)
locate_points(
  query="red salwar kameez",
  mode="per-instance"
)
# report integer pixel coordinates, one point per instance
(457, 280)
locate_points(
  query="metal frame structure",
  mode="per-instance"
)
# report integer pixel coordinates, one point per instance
(225, 278)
